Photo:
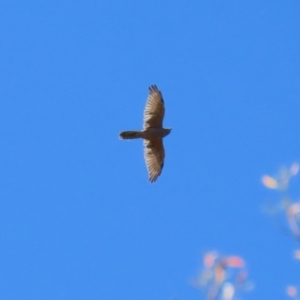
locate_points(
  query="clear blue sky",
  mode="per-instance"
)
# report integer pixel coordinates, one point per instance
(78, 217)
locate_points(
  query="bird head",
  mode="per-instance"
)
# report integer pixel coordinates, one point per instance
(168, 130)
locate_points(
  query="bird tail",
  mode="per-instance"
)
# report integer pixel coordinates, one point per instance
(127, 135)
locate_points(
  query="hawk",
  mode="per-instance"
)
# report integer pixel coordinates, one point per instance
(153, 133)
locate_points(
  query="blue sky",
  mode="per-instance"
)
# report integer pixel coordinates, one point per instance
(78, 217)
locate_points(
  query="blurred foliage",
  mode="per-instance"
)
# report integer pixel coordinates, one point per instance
(226, 277)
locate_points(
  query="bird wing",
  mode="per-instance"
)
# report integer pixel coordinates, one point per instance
(154, 153)
(155, 108)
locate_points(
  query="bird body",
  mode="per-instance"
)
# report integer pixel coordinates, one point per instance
(152, 134)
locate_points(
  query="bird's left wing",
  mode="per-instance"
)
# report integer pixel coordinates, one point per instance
(154, 153)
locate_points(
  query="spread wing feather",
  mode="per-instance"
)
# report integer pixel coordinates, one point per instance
(155, 109)
(154, 153)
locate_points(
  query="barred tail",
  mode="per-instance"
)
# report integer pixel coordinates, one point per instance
(126, 135)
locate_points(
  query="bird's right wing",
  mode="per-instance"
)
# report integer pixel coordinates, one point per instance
(154, 153)
(155, 108)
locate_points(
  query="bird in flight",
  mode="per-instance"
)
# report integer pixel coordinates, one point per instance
(153, 133)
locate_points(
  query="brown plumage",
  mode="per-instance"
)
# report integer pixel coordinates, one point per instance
(153, 133)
